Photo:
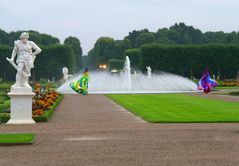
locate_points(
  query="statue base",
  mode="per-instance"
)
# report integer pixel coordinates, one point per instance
(21, 105)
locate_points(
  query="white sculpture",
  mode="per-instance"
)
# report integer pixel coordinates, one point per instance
(66, 76)
(25, 59)
(21, 92)
(149, 71)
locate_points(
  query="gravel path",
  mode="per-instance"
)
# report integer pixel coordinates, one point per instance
(93, 131)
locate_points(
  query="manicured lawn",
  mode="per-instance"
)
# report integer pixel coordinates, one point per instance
(178, 108)
(16, 139)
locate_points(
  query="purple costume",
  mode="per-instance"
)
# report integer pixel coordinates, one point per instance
(206, 83)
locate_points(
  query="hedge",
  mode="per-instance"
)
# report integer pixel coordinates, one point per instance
(115, 64)
(48, 64)
(4, 117)
(221, 60)
(134, 55)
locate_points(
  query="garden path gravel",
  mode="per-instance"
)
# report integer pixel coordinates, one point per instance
(94, 131)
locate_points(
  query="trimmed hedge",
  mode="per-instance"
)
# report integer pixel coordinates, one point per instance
(115, 64)
(222, 60)
(134, 56)
(4, 117)
(4, 105)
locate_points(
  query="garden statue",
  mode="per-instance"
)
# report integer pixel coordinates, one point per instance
(149, 71)
(66, 76)
(25, 59)
(21, 92)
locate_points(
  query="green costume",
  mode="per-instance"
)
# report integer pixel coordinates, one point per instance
(81, 86)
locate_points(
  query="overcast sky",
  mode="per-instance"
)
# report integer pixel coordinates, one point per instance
(91, 19)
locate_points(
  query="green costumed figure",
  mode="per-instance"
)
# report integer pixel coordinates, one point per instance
(81, 86)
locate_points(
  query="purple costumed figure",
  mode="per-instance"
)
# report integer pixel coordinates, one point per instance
(206, 83)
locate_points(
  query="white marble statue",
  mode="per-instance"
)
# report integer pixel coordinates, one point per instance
(149, 71)
(65, 73)
(66, 76)
(25, 59)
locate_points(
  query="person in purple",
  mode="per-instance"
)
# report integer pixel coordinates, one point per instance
(206, 83)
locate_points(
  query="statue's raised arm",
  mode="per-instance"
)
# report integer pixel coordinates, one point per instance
(25, 59)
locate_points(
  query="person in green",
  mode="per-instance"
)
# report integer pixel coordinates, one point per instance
(81, 85)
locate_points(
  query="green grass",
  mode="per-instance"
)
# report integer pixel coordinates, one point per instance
(16, 139)
(173, 108)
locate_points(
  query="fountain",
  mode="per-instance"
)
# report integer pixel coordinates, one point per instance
(103, 82)
(127, 71)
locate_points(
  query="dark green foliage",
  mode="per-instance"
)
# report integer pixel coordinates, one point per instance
(84, 61)
(75, 44)
(134, 35)
(145, 38)
(104, 50)
(121, 46)
(7, 72)
(115, 64)
(51, 61)
(39, 38)
(134, 55)
(234, 93)
(181, 59)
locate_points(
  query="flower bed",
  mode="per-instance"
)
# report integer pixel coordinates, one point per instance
(44, 103)
(230, 83)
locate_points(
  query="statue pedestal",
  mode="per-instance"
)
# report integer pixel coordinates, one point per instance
(21, 105)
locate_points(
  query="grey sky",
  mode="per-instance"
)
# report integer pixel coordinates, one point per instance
(90, 19)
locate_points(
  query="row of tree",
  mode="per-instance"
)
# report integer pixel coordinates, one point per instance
(49, 62)
(178, 36)
(39, 38)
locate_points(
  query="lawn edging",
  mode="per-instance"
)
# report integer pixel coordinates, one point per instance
(17, 139)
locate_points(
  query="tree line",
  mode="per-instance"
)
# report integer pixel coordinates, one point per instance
(49, 62)
(180, 36)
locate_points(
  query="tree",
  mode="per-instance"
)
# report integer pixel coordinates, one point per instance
(121, 46)
(103, 50)
(75, 44)
(145, 38)
(134, 35)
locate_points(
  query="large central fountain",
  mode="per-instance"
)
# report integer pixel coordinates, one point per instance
(104, 82)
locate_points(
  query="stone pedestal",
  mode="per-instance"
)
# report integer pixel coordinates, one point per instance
(21, 105)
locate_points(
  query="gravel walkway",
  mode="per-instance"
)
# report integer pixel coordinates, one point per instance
(93, 131)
